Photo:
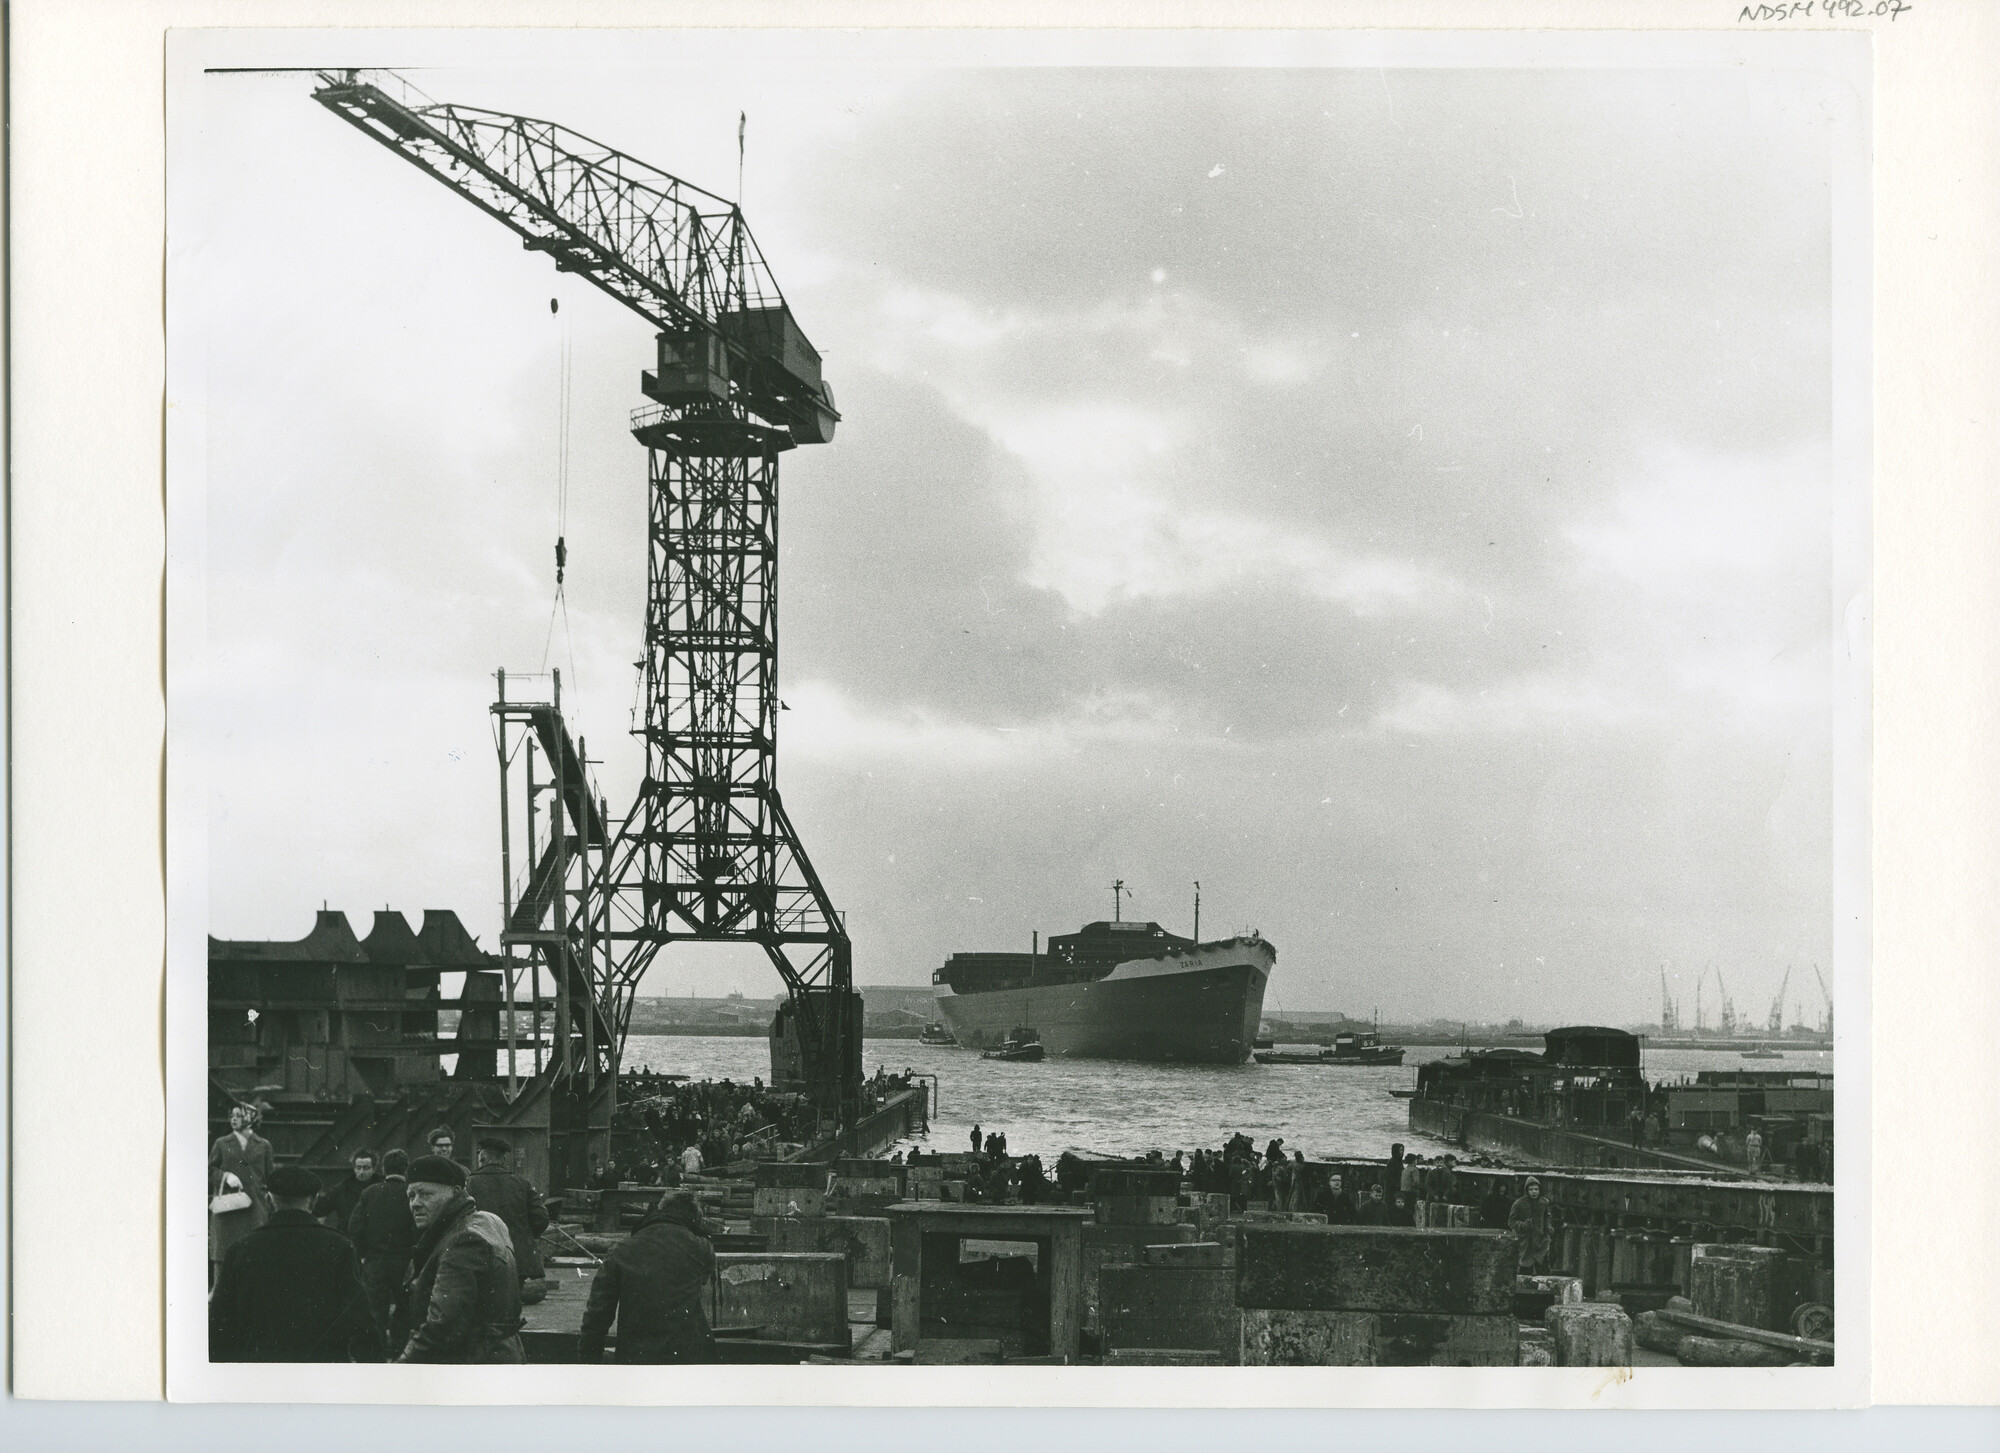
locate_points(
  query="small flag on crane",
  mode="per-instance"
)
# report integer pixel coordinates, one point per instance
(742, 120)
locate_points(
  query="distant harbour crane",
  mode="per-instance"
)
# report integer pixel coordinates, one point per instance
(1776, 1023)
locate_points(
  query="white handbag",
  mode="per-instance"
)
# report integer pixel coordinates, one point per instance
(223, 1202)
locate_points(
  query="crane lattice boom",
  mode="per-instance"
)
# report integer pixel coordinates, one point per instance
(680, 257)
(707, 851)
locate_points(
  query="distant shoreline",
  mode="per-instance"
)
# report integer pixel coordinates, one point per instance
(1412, 1041)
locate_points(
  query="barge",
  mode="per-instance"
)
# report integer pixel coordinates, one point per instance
(1584, 1101)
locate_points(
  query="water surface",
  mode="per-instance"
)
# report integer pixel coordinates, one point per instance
(1116, 1107)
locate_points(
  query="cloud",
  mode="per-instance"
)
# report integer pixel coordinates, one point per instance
(1417, 530)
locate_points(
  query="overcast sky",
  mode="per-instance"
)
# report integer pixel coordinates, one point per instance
(1398, 499)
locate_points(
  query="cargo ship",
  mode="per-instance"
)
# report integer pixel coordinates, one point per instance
(1114, 990)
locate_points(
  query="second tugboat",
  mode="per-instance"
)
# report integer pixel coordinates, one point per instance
(1023, 1046)
(1348, 1049)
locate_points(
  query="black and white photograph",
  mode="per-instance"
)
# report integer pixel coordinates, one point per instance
(1022, 700)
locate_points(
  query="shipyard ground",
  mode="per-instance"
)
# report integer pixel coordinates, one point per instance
(865, 1261)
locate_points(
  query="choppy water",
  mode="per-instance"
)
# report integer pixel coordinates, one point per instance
(1119, 1108)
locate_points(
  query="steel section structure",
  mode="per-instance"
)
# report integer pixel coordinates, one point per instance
(707, 852)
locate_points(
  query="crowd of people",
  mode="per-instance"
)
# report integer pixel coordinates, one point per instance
(426, 1260)
(689, 1127)
(1277, 1180)
(400, 1259)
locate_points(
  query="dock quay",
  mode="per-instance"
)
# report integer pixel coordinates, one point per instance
(862, 1260)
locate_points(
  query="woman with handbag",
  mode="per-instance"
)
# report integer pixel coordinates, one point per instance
(238, 1165)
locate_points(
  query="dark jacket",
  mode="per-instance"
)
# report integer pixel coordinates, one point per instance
(340, 1200)
(290, 1291)
(465, 1302)
(519, 1204)
(1533, 1219)
(381, 1224)
(652, 1282)
(1374, 1213)
(1493, 1209)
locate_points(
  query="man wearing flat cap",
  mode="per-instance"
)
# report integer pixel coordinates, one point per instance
(290, 1291)
(465, 1302)
(652, 1284)
(494, 1187)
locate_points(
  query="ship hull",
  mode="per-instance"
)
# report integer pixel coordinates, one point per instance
(1197, 1008)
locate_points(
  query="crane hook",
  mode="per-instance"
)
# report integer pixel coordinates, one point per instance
(562, 558)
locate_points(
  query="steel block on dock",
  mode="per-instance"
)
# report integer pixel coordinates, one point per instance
(1170, 1306)
(856, 1178)
(1120, 1246)
(1162, 1357)
(1752, 1286)
(790, 1174)
(1287, 1337)
(1376, 1269)
(863, 1240)
(1534, 1295)
(1137, 1210)
(958, 1352)
(1590, 1334)
(788, 1201)
(1190, 1253)
(937, 1280)
(925, 1183)
(789, 1296)
(1125, 1181)
(1207, 1212)
(1282, 1218)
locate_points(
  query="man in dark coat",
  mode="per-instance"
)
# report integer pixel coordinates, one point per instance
(1495, 1204)
(1374, 1210)
(1533, 1220)
(494, 1187)
(652, 1284)
(336, 1205)
(1336, 1202)
(383, 1234)
(1441, 1180)
(290, 1291)
(465, 1302)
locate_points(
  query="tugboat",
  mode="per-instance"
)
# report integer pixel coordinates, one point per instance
(1021, 1046)
(936, 1033)
(1363, 1049)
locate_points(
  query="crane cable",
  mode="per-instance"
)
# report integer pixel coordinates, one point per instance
(560, 604)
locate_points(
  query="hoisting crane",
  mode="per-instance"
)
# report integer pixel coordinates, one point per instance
(1776, 1023)
(1826, 1023)
(706, 852)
